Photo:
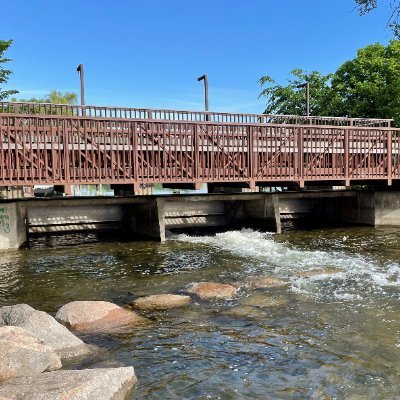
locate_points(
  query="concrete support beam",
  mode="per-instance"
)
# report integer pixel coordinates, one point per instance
(359, 209)
(265, 212)
(148, 219)
(387, 208)
(13, 232)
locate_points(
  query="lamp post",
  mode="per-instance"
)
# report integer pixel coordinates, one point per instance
(205, 79)
(307, 86)
(80, 72)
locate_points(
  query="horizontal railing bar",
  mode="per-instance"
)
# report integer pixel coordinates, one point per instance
(196, 123)
(23, 108)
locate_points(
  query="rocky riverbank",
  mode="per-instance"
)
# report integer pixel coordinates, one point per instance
(34, 345)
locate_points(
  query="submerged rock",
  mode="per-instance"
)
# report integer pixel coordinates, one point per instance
(87, 384)
(212, 290)
(21, 354)
(44, 327)
(265, 282)
(98, 316)
(264, 301)
(161, 302)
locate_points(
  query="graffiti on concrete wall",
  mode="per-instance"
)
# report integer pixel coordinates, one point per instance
(4, 220)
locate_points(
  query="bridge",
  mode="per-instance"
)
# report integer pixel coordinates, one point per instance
(50, 144)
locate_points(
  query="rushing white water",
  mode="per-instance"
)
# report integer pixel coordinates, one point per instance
(338, 275)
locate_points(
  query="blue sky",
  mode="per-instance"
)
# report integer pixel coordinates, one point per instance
(149, 53)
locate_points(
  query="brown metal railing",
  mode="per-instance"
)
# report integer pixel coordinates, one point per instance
(179, 115)
(61, 149)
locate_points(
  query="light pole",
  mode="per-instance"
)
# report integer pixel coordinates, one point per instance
(307, 86)
(205, 79)
(80, 72)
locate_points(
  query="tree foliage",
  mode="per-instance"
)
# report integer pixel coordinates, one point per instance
(369, 85)
(290, 99)
(365, 6)
(54, 97)
(366, 86)
(5, 73)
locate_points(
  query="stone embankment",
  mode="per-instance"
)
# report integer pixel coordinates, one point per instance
(33, 344)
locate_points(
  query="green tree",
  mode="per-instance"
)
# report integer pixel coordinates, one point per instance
(367, 86)
(291, 99)
(5, 73)
(365, 6)
(54, 97)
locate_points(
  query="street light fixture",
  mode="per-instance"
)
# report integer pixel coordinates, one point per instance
(80, 72)
(307, 86)
(205, 79)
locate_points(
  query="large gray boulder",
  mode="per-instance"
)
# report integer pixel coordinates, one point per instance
(44, 327)
(87, 384)
(98, 316)
(21, 354)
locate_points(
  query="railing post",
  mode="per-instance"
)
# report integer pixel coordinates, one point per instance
(346, 157)
(196, 155)
(66, 151)
(250, 147)
(300, 149)
(389, 157)
(135, 153)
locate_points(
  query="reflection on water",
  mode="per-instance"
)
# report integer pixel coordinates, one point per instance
(332, 333)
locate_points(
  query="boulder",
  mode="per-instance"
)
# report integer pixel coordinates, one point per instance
(265, 282)
(45, 328)
(161, 302)
(86, 384)
(212, 290)
(98, 316)
(24, 354)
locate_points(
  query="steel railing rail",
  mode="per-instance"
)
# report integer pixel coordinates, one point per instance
(26, 108)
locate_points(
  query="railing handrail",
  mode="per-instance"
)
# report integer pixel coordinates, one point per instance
(26, 117)
(28, 108)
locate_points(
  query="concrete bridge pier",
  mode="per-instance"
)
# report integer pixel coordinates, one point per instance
(146, 219)
(13, 225)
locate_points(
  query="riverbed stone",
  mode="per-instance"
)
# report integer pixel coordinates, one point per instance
(265, 282)
(98, 316)
(212, 290)
(21, 354)
(44, 327)
(262, 300)
(161, 302)
(87, 384)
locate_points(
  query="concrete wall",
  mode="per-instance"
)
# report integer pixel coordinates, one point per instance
(12, 226)
(265, 212)
(148, 219)
(151, 216)
(359, 209)
(183, 214)
(387, 208)
(73, 217)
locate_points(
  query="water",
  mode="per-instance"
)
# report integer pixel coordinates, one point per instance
(333, 335)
